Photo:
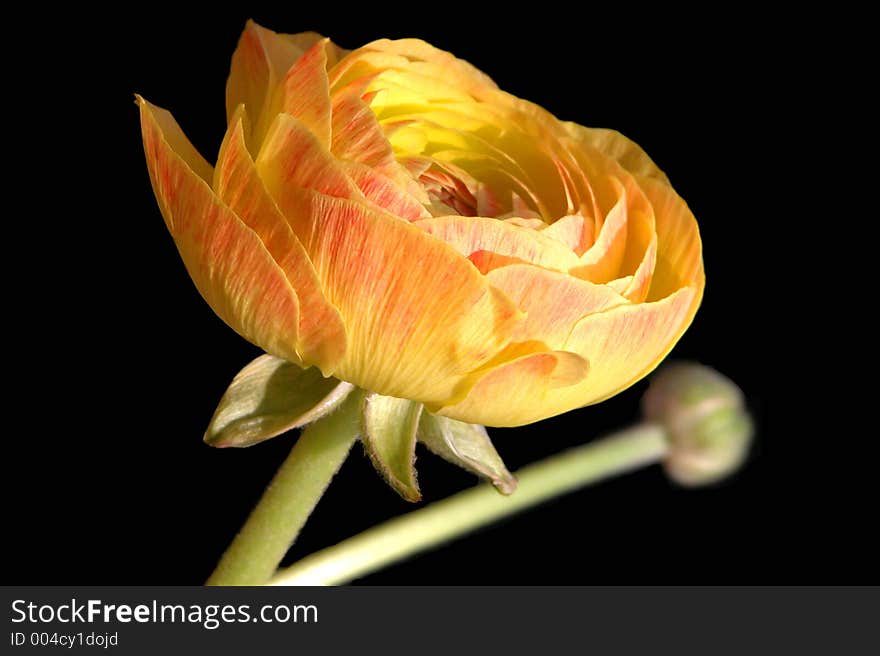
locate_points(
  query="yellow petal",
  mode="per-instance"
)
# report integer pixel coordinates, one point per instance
(231, 268)
(679, 249)
(573, 230)
(622, 345)
(615, 145)
(626, 242)
(640, 282)
(440, 62)
(431, 64)
(469, 234)
(512, 393)
(553, 302)
(321, 336)
(603, 260)
(627, 342)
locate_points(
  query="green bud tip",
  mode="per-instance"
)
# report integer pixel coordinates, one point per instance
(706, 419)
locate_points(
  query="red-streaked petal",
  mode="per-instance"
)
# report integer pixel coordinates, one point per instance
(382, 191)
(231, 268)
(357, 135)
(321, 339)
(306, 92)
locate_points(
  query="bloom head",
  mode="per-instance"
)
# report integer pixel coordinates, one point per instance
(391, 217)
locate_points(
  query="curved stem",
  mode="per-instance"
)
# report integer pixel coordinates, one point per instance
(444, 520)
(290, 498)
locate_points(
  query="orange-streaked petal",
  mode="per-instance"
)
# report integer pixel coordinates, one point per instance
(469, 234)
(259, 62)
(321, 337)
(293, 157)
(679, 249)
(553, 302)
(394, 285)
(228, 263)
(174, 138)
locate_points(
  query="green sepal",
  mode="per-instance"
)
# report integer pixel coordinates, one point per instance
(468, 446)
(271, 396)
(388, 431)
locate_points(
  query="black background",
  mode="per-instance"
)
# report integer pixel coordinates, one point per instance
(109, 482)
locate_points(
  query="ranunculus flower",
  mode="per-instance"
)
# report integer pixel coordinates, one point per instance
(391, 217)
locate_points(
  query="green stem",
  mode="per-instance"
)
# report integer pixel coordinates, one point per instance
(286, 504)
(444, 520)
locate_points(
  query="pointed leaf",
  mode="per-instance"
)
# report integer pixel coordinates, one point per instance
(271, 396)
(389, 435)
(468, 446)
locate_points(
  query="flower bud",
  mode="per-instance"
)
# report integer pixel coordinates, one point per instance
(708, 425)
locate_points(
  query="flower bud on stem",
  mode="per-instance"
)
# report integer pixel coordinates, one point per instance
(697, 426)
(708, 427)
